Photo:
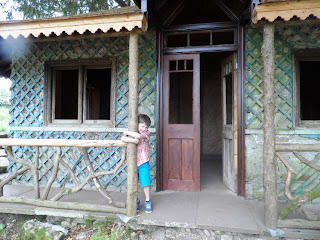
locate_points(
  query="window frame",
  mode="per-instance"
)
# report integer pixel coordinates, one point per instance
(81, 66)
(299, 56)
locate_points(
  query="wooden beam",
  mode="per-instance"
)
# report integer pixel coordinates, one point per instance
(228, 11)
(178, 8)
(144, 6)
(269, 160)
(132, 187)
(202, 26)
(160, 121)
(160, 4)
(241, 113)
(121, 3)
(297, 147)
(200, 49)
(64, 205)
(60, 142)
(298, 223)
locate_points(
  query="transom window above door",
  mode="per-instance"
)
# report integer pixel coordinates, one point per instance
(80, 93)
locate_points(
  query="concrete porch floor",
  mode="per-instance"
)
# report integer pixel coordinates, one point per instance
(214, 207)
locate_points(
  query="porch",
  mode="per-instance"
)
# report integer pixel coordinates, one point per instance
(213, 208)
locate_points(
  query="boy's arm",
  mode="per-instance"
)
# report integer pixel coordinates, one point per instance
(136, 135)
(129, 140)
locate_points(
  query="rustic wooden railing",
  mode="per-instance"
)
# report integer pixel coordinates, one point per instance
(114, 207)
(298, 201)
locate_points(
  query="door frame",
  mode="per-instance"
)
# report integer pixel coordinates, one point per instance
(240, 49)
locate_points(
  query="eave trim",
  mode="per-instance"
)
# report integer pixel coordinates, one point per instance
(286, 10)
(57, 26)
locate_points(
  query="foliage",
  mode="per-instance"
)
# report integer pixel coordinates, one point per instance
(52, 8)
(4, 111)
(4, 98)
(33, 234)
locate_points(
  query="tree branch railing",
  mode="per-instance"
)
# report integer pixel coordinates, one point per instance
(8, 143)
(300, 200)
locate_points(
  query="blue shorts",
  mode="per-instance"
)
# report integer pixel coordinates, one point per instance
(144, 174)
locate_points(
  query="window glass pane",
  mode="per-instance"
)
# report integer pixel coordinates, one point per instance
(222, 38)
(200, 39)
(189, 64)
(173, 65)
(98, 94)
(179, 40)
(181, 65)
(229, 99)
(66, 94)
(309, 90)
(181, 98)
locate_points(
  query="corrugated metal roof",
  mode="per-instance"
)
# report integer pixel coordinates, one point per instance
(115, 19)
(286, 10)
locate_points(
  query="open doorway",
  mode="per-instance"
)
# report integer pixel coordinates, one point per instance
(216, 97)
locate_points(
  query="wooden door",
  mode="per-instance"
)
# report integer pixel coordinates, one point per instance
(181, 114)
(229, 128)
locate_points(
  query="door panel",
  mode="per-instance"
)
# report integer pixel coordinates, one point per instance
(229, 113)
(181, 133)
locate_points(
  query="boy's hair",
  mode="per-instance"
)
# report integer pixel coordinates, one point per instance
(142, 118)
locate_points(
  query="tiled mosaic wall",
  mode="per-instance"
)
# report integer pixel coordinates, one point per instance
(287, 39)
(28, 102)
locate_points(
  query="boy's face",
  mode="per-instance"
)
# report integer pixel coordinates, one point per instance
(143, 127)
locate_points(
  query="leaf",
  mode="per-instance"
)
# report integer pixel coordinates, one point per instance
(2, 226)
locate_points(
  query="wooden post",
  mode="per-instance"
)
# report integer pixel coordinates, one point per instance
(269, 164)
(132, 187)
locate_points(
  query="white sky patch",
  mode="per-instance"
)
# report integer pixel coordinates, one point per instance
(9, 4)
(5, 83)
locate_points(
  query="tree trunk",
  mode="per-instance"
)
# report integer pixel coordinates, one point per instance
(132, 178)
(269, 166)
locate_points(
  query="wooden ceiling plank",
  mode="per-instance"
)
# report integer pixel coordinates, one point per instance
(160, 4)
(233, 16)
(174, 14)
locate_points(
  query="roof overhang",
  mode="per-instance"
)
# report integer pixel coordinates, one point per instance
(127, 18)
(286, 10)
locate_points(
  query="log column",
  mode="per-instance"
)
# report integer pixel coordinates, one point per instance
(269, 160)
(132, 178)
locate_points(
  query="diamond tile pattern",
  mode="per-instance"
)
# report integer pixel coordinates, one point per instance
(27, 99)
(287, 39)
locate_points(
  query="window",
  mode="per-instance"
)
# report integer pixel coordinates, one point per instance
(80, 93)
(307, 88)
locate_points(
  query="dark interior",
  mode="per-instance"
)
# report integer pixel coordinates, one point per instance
(66, 96)
(211, 116)
(309, 90)
(98, 94)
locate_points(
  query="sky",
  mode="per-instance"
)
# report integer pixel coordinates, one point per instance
(5, 83)
(8, 4)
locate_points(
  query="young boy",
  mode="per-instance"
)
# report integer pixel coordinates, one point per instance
(142, 139)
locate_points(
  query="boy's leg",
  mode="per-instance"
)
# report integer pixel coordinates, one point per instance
(144, 176)
(145, 182)
(146, 190)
